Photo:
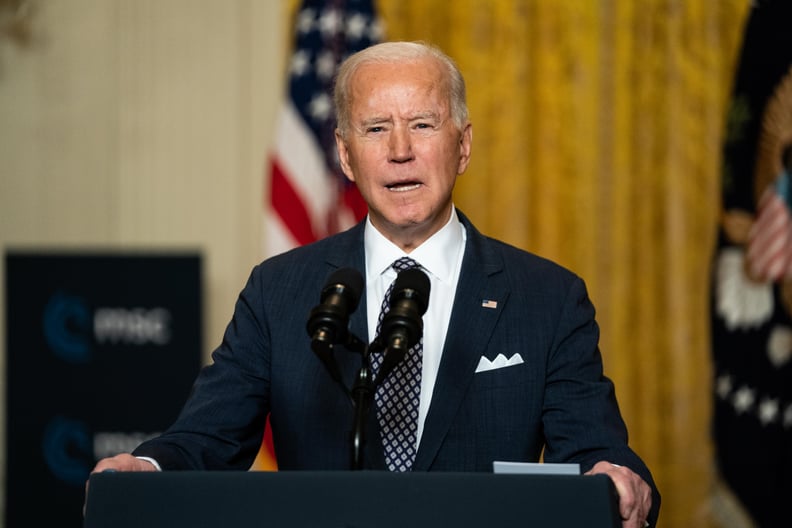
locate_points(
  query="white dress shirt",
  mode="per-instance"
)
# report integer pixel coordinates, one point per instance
(441, 257)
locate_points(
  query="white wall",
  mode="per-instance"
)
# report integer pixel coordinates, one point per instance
(142, 124)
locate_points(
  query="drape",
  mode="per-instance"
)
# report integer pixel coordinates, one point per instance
(597, 142)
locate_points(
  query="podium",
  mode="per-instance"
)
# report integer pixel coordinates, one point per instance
(340, 499)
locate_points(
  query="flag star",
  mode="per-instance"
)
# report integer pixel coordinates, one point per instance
(305, 21)
(768, 411)
(325, 65)
(723, 386)
(356, 26)
(330, 23)
(743, 399)
(320, 106)
(376, 30)
(300, 62)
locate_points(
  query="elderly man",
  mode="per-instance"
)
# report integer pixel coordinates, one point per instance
(508, 367)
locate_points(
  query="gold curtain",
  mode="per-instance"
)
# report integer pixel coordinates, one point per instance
(597, 143)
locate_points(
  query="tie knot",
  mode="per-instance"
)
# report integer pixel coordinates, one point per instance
(404, 263)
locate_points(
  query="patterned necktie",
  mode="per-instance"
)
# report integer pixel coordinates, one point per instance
(398, 396)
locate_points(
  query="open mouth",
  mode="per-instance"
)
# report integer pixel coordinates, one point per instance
(403, 186)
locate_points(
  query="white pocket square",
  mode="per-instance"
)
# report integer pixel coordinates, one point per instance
(499, 362)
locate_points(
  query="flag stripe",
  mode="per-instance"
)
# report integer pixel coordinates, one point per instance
(289, 207)
(769, 253)
(302, 160)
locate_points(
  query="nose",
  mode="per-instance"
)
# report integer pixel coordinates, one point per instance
(400, 146)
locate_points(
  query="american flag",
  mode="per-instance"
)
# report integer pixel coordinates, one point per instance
(770, 239)
(309, 197)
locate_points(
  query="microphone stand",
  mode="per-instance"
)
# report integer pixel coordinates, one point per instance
(362, 394)
(364, 387)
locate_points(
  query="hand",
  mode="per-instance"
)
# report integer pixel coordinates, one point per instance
(635, 495)
(122, 462)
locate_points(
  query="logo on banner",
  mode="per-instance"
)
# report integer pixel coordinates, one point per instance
(67, 449)
(67, 328)
(70, 327)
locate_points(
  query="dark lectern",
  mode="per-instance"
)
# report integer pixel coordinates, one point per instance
(359, 499)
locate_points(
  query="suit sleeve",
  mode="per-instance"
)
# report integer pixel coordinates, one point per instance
(581, 418)
(222, 424)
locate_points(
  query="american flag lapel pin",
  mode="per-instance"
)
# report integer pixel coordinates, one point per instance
(489, 303)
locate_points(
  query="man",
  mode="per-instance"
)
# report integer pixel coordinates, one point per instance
(510, 361)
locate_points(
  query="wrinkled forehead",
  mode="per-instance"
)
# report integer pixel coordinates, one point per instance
(421, 80)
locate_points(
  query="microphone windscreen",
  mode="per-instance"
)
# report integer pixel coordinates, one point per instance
(412, 283)
(350, 280)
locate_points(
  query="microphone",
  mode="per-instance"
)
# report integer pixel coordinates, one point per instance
(328, 321)
(402, 326)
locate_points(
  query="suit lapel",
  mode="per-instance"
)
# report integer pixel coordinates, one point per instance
(473, 320)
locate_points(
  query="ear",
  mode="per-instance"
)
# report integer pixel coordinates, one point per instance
(343, 156)
(465, 146)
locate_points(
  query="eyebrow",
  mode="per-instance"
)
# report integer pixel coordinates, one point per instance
(374, 121)
(426, 115)
(382, 119)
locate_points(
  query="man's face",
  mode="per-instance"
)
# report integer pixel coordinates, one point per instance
(402, 149)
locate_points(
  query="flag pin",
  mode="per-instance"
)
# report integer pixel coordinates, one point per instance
(487, 303)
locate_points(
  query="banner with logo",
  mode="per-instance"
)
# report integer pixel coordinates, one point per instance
(102, 350)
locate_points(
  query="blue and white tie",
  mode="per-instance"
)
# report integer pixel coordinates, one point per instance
(398, 396)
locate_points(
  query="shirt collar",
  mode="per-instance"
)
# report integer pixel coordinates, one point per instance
(437, 255)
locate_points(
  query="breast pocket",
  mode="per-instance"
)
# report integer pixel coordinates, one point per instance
(505, 376)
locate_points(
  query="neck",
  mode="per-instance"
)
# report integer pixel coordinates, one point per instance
(409, 237)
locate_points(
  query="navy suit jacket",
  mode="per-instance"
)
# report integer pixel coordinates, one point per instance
(556, 401)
